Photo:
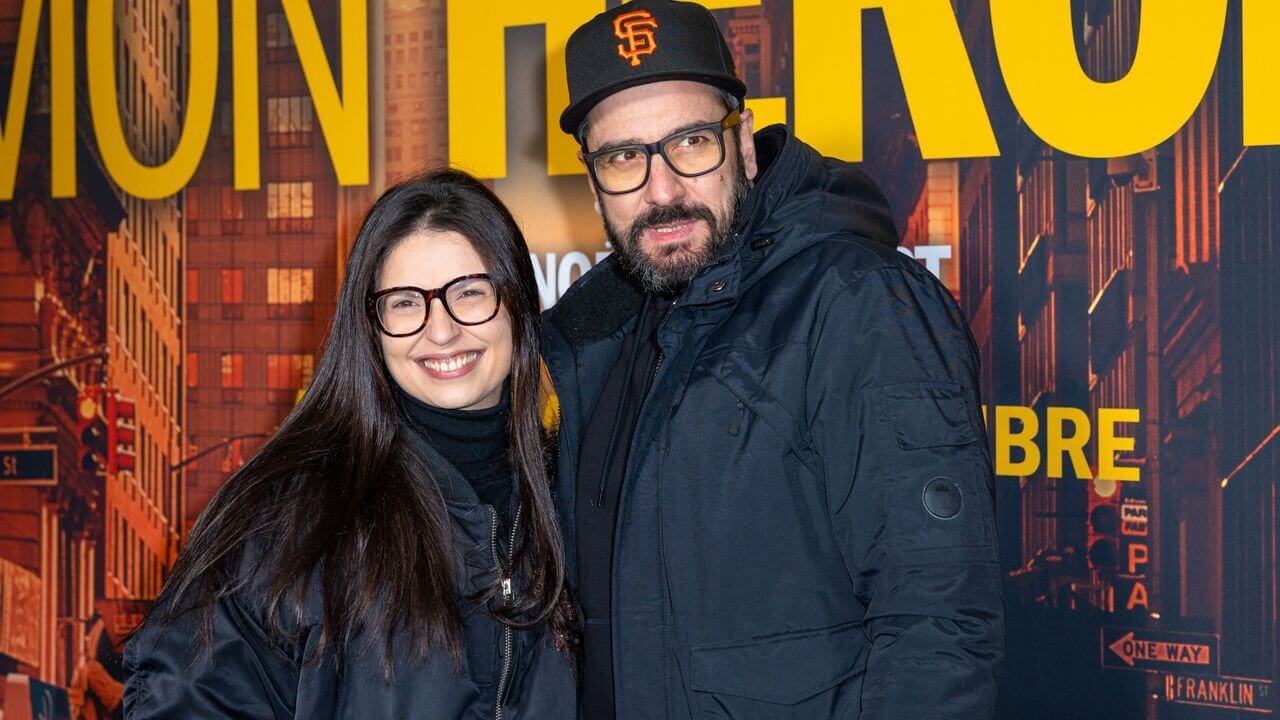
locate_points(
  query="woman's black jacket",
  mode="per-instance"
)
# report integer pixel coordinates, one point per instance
(248, 674)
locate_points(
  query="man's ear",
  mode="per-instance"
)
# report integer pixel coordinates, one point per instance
(595, 194)
(747, 144)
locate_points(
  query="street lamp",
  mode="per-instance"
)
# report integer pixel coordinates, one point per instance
(225, 442)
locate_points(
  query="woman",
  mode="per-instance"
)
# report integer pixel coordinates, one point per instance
(392, 552)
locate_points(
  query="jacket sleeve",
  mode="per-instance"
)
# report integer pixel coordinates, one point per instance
(895, 413)
(169, 676)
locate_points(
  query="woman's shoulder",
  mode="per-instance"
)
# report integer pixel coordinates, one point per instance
(242, 612)
(243, 588)
(199, 662)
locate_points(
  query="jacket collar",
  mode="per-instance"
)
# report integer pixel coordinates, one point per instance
(783, 161)
(453, 487)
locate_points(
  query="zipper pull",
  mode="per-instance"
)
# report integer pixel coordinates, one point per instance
(507, 594)
(736, 424)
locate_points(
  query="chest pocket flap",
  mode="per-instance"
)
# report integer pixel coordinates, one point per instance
(737, 372)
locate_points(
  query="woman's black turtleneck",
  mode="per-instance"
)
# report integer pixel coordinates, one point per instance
(474, 442)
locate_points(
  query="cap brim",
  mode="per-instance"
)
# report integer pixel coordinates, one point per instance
(573, 115)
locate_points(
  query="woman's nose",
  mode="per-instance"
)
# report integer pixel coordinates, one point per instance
(440, 329)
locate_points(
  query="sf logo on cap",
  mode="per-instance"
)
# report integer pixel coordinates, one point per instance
(636, 30)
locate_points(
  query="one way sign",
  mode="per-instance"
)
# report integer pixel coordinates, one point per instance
(1158, 650)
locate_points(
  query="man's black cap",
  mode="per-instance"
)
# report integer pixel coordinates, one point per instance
(642, 42)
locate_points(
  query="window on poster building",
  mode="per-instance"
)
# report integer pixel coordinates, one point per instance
(232, 371)
(279, 39)
(290, 292)
(289, 371)
(290, 206)
(289, 121)
(232, 211)
(232, 294)
(226, 121)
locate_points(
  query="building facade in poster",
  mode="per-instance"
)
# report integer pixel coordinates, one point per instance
(1124, 307)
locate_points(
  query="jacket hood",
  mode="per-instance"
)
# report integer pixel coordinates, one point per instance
(802, 193)
(801, 198)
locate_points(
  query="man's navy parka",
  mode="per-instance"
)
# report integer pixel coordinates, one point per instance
(806, 527)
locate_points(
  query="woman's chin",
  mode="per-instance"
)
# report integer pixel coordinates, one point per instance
(458, 398)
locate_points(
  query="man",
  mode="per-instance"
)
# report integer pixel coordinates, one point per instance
(775, 479)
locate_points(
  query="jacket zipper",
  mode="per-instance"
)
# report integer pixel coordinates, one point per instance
(508, 594)
(735, 425)
(613, 437)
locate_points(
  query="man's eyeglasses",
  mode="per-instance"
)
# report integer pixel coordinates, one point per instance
(690, 153)
(402, 311)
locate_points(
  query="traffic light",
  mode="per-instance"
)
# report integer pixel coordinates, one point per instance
(121, 430)
(91, 430)
(1104, 541)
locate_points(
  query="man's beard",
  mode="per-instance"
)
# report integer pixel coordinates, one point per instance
(675, 267)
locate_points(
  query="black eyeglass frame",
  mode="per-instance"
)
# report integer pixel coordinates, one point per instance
(732, 120)
(428, 295)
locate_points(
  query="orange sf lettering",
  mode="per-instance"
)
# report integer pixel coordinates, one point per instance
(635, 30)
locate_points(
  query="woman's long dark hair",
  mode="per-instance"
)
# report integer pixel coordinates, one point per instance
(337, 496)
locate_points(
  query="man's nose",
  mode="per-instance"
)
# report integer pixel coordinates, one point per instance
(665, 187)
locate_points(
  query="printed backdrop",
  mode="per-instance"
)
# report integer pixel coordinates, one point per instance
(1097, 182)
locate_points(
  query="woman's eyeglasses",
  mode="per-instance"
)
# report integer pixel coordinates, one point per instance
(402, 311)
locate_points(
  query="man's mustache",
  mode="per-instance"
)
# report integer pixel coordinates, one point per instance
(666, 214)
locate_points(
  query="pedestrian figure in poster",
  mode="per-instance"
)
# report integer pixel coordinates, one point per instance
(98, 684)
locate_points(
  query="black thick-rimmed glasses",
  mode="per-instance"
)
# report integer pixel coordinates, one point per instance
(402, 311)
(692, 152)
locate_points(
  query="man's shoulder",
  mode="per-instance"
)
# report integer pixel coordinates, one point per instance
(850, 258)
(867, 271)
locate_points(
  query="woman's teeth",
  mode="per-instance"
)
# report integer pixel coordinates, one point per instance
(456, 362)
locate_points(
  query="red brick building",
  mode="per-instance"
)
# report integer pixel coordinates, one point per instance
(262, 264)
(90, 294)
(144, 505)
(416, 97)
